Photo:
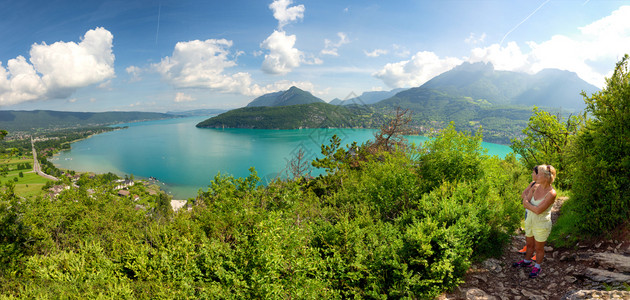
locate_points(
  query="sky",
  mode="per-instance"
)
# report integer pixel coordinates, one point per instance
(161, 55)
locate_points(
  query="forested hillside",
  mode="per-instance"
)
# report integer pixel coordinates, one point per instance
(292, 96)
(480, 81)
(314, 115)
(470, 95)
(13, 120)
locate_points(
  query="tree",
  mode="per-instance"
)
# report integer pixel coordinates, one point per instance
(391, 135)
(546, 138)
(600, 156)
(299, 166)
(163, 208)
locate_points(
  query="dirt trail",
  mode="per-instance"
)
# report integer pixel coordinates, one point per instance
(585, 273)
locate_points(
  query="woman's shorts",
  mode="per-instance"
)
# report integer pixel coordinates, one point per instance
(538, 227)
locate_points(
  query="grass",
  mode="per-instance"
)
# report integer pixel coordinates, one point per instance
(563, 233)
(17, 160)
(30, 184)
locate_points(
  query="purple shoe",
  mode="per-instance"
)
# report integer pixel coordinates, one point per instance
(521, 264)
(534, 272)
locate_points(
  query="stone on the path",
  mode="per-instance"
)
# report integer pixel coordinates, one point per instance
(570, 279)
(477, 294)
(606, 276)
(531, 295)
(596, 294)
(616, 262)
(492, 264)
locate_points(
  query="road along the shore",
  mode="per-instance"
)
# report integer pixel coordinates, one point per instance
(36, 166)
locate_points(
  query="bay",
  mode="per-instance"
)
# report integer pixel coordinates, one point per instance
(185, 159)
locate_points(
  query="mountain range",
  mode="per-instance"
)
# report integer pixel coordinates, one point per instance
(17, 120)
(367, 97)
(480, 81)
(197, 112)
(470, 95)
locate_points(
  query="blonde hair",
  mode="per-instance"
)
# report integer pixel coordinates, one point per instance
(549, 171)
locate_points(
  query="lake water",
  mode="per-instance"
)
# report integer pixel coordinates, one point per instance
(185, 158)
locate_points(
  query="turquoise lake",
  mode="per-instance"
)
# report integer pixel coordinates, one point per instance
(185, 158)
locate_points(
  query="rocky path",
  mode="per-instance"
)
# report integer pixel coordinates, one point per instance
(600, 270)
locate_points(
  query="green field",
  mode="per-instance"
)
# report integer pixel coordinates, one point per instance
(27, 186)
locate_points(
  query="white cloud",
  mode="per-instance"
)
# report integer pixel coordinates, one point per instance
(282, 57)
(603, 41)
(201, 64)
(474, 39)
(285, 14)
(134, 72)
(64, 68)
(181, 97)
(503, 58)
(204, 64)
(422, 67)
(376, 52)
(330, 48)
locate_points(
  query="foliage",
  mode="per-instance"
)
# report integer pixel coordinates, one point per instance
(451, 158)
(600, 156)
(391, 135)
(377, 224)
(13, 232)
(546, 139)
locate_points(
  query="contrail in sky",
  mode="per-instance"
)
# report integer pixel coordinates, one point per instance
(519, 24)
(157, 32)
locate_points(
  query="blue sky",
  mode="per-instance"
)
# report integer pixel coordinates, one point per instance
(163, 55)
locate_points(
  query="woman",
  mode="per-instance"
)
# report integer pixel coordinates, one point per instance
(538, 205)
(525, 194)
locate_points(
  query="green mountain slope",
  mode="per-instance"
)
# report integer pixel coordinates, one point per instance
(550, 87)
(48, 119)
(312, 115)
(432, 105)
(292, 96)
(470, 95)
(435, 109)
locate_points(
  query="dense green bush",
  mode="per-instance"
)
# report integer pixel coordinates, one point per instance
(600, 156)
(546, 141)
(375, 225)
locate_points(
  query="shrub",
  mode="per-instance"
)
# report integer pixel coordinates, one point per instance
(600, 156)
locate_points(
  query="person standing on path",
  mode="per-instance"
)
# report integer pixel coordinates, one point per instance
(523, 196)
(538, 205)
